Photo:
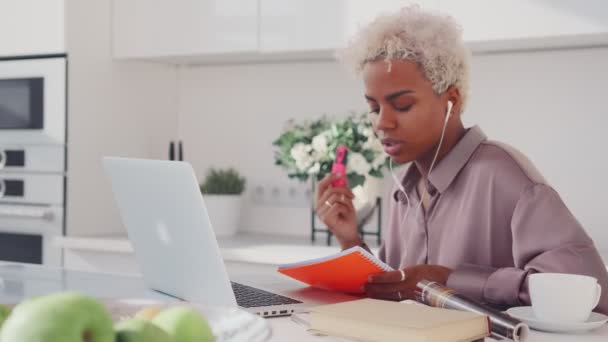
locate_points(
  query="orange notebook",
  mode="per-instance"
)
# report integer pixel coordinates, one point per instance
(346, 271)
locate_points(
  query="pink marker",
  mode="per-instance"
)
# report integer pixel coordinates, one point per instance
(339, 166)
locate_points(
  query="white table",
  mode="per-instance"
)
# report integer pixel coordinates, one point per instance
(21, 281)
(284, 329)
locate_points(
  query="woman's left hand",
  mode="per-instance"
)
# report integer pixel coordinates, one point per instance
(392, 286)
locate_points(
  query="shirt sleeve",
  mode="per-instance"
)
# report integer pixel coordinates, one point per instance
(546, 238)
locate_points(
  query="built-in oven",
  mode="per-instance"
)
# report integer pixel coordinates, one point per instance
(31, 217)
(28, 234)
(32, 158)
(33, 101)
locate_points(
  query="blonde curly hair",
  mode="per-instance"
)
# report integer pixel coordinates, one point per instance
(432, 40)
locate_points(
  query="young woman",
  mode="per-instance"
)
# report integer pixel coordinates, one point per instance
(470, 213)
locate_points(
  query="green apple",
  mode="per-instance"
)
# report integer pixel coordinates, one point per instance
(5, 311)
(140, 330)
(184, 324)
(65, 317)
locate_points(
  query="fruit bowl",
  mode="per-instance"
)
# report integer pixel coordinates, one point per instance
(227, 324)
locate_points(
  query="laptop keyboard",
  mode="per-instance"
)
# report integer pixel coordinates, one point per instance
(251, 297)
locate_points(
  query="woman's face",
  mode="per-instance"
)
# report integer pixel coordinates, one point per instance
(407, 114)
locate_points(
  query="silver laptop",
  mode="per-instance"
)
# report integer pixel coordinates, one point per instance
(167, 223)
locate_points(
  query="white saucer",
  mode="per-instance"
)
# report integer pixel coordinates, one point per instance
(526, 315)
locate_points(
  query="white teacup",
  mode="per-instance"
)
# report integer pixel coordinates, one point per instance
(560, 297)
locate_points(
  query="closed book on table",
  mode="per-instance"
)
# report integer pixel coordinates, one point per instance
(346, 271)
(379, 320)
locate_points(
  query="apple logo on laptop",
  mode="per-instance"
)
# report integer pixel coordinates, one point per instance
(163, 233)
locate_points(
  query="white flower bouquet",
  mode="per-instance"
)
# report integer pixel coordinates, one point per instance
(307, 149)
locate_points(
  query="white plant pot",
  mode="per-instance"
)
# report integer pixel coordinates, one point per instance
(224, 212)
(365, 197)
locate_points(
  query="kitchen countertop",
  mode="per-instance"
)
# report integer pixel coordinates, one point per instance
(114, 244)
(245, 247)
(253, 248)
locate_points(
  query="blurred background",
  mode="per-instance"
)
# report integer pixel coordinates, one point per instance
(217, 83)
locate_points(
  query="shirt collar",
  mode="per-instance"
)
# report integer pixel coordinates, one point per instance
(444, 173)
(408, 180)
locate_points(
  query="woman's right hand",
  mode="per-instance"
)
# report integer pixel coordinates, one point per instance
(334, 206)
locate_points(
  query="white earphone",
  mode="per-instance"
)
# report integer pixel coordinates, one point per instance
(449, 113)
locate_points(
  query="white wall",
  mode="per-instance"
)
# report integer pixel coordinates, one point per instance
(231, 114)
(550, 104)
(553, 107)
(115, 108)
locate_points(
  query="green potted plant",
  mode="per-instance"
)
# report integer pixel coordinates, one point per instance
(222, 191)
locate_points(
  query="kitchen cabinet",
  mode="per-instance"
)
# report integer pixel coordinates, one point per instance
(316, 25)
(184, 28)
(193, 31)
(313, 25)
(221, 31)
(32, 27)
(520, 24)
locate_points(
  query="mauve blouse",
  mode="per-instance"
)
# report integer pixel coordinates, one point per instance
(494, 220)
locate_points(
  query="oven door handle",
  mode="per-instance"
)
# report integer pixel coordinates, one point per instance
(2, 159)
(46, 215)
